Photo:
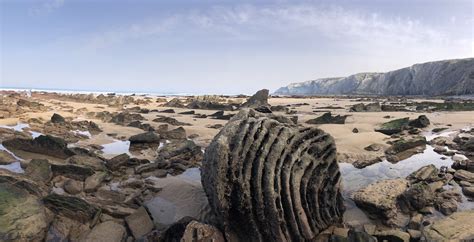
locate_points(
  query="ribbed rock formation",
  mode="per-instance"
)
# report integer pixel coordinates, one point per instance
(268, 180)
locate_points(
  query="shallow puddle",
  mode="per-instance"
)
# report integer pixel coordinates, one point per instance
(117, 147)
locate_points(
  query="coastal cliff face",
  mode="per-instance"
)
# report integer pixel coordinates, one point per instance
(448, 77)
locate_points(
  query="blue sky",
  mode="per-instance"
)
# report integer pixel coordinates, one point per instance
(220, 46)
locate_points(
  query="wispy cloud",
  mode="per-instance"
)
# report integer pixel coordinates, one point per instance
(249, 21)
(45, 7)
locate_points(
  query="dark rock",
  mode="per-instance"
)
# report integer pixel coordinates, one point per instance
(373, 147)
(175, 232)
(437, 130)
(167, 111)
(327, 118)
(56, 118)
(140, 125)
(447, 201)
(253, 203)
(263, 109)
(215, 126)
(175, 103)
(44, 144)
(359, 164)
(371, 107)
(393, 127)
(421, 122)
(355, 130)
(171, 121)
(463, 175)
(147, 137)
(174, 134)
(191, 112)
(259, 99)
(196, 231)
(126, 118)
(76, 172)
(392, 235)
(39, 170)
(416, 197)
(71, 207)
(467, 165)
(402, 149)
(117, 161)
(427, 173)
(85, 160)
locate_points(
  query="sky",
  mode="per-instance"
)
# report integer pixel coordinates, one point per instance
(220, 47)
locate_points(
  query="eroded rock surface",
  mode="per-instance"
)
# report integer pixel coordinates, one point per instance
(268, 180)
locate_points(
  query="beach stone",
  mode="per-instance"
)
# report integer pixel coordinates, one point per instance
(379, 200)
(71, 207)
(72, 186)
(250, 148)
(22, 215)
(6, 158)
(416, 197)
(467, 165)
(39, 170)
(458, 226)
(116, 162)
(196, 231)
(327, 118)
(85, 160)
(93, 182)
(393, 127)
(468, 191)
(44, 144)
(107, 232)
(76, 172)
(56, 118)
(147, 137)
(259, 99)
(139, 223)
(421, 122)
(174, 134)
(170, 120)
(415, 222)
(464, 175)
(428, 173)
(392, 235)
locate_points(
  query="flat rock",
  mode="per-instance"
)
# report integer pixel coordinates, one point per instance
(108, 231)
(139, 223)
(379, 200)
(44, 144)
(456, 227)
(464, 175)
(71, 207)
(39, 170)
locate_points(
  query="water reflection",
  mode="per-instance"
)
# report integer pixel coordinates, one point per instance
(117, 147)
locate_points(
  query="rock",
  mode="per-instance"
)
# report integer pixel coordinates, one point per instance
(185, 152)
(468, 191)
(71, 207)
(416, 197)
(124, 118)
(467, 165)
(421, 122)
(175, 231)
(393, 127)
(371, 107)
(139, 223)
(117, 161)
(263, 109)
(437, 130)
(175, 103)
(169, 120)
(93, 182)
(447, 201)
(44, 144)
(22, 215)
(107, 232)
(379, 200)
(259, 99)
(440, 149)
(402, 149)
(215, 126)
(327, 118)
(414, 234)
(147, 137)
(355, 130)
(75, 172)
(39, 170)
(456, 227)
(359, 164)
(392, 235)
(373, 147)
(72, 186)
(140, 125)
(190, 112)
(6, 158)
(88, 161)
(174, 134)
(464, 175)
(428, 173)
(196, 231)
(56, 118)
(66, 229)
(415, 222)
(248, 197)
(167, 111)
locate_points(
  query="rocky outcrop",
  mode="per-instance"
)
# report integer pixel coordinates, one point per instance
(456, 227)
(448, 77)
(268, 180)
(260, 98)
(44, 144)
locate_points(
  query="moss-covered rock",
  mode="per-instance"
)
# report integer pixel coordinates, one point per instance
(394, 126)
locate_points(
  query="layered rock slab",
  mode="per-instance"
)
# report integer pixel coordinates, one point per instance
(268, 180)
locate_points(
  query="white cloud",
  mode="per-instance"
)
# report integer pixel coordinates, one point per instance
(46, 7)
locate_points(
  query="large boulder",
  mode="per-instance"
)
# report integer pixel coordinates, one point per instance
(56, 118)
(44, 144)
(379, 200)
(421, 122)
(147, 137)
(22, 215)
(393, 127)
(260, 98)
(268, 180)
(458, 226)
